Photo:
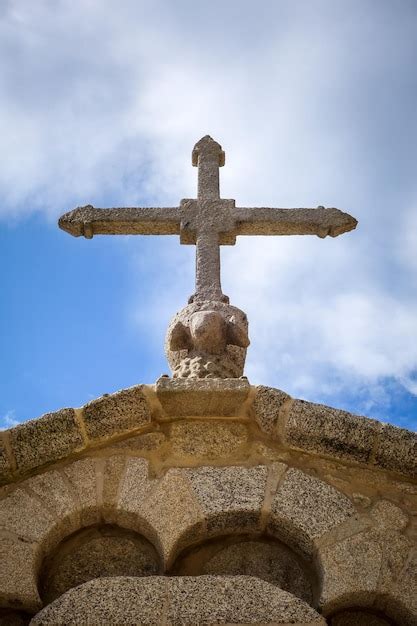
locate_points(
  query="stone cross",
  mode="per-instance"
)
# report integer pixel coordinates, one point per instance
(207, 222)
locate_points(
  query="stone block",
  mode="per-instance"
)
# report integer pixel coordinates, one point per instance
(54, 492)
(58, 499)
(116, 413)
(196, 600)
(136, 483)
(388, 516)
(174, 512)
(234, 600)
(367, 570)
(49, 438)
(230, 497)
(24, 516)
(113, 471)
(135, 487)
(329, 431)
(212, 440)
(110, 601)
(18, 574)
(396, 550)
(267, 408)
(202, 398)
(397, 450)
(351, 570)
(5, 465)
(400, 599)
(82, 476)
(141, 443)
(304, 509)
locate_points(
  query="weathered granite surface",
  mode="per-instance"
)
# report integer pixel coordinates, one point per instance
(305, 508)
(330, 431)
(185, 601)
(292, 424)
(18, 574)
(115, 413)
(201, 398)
(231, 497)
(36, 442)
(264, 558)
(102, 551)
(6, 468)
(190, 462)
(217, 440)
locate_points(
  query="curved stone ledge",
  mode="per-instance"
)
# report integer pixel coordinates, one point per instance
(68, 432)
(116, 413)
(323, 430)
(49, 438)
(6, 467)
(292, 424)
(178, 601)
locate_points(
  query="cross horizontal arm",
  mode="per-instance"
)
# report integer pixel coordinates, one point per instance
(89, 221)
(320, 221)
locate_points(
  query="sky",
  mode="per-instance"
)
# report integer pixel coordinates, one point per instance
(314, 103)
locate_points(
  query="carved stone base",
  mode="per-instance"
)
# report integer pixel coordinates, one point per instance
(207, 340)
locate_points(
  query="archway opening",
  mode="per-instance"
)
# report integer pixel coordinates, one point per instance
(94, 552)
(360, 616)
(251, 555)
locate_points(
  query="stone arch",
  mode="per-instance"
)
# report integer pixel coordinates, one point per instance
(249, 554)
(370, 563)
(281, 503)
(42, 511)
(103, 550)
(381, 610)
(305, 509)
(186, 506)
(285, 503)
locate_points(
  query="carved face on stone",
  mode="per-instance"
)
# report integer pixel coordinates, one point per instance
(207, 340)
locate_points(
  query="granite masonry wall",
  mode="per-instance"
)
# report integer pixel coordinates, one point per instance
(188, 495)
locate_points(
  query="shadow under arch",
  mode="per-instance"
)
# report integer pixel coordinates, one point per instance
(238, 542)
(389, 609)
(108, 536)
(101, 550)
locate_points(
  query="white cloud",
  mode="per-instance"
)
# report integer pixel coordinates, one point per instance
(8, 420)
(102, 103)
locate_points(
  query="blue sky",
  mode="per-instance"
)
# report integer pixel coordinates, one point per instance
(313, 102)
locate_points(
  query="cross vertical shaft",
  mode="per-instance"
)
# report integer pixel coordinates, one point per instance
(208, 177)
(208, 156)
(207, 270)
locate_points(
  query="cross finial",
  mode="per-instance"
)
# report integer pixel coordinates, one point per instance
(208, 156)
(209, 332)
